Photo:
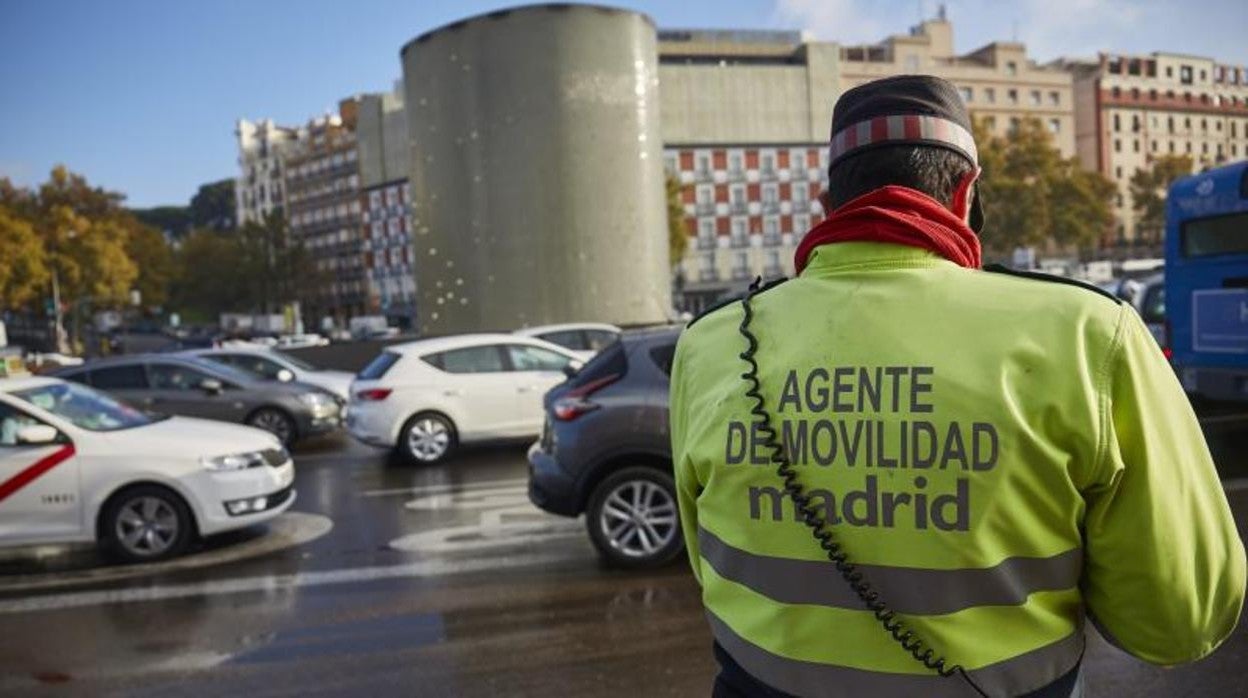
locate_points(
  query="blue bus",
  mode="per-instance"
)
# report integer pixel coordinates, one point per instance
(1207, 281)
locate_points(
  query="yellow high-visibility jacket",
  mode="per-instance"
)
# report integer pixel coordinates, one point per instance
(1002, 456)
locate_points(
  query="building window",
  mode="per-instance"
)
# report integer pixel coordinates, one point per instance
(737, 195)
(1135, 145)
(1185, 74)
(1202, 75)
(1170, 124)
(1169, 71)
(1154, 146)
(706, 234)
(801, 197)
(990, 94)
(1118, 172)
(1035, 98)
(1204, 125)
(735, 166)
(1117, 146)
(1117, 123)
(1055, 126)
(1204, 148)
(967, 94)
(801, 223)
(1188, 145)
(1187, 123)
(1171, 147)
(1015, 122)
(1012, 96)
(773, 263)
(771, 231)
(799, 161)
(740, 265)
(1135, 123)
(704, 165)
(769, 164)
(771, 197)
(1055, 98)
(1011, 68)
(1116, 92)
(739, 236)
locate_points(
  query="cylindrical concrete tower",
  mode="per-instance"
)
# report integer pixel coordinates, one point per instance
(536, 170)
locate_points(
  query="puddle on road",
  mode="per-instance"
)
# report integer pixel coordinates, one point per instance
(505, 519)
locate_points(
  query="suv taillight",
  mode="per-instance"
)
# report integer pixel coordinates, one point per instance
(1165, 343)
(576, 402)
(373, 394)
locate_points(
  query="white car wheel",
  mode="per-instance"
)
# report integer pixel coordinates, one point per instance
(428, 438)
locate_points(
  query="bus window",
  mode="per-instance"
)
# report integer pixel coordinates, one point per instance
(1221, 235)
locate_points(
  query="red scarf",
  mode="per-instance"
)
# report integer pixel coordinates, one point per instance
(899, 215)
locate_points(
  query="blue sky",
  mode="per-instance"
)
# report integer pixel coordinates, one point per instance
(141, 95)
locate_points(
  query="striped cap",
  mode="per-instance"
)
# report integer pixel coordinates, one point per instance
(918, 109)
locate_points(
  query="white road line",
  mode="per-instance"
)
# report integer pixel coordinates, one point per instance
(449, 487)
(422, 569)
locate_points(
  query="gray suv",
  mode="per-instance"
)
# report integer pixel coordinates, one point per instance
(197, 388)
(605, 451)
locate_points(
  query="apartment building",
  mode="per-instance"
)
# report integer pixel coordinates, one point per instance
(325, 212)
(746, 116)
(1000, 84)
(1132, 109)
(260, 187)
(388, 249)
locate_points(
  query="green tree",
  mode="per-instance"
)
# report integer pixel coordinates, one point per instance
(151, 254)
(1148, 192)
(1033, 196)
(24, 273)
(175, 221)
(213, 206)
(677, 236)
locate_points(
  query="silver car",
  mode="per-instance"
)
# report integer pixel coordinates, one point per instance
(193, 387)
(273, 365)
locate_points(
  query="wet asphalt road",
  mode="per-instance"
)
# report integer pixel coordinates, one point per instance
(432, 581)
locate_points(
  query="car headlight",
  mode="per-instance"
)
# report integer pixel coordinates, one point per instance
(317, 401)
(234, 461)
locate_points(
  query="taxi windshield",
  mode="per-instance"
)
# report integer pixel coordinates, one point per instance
(85, 407)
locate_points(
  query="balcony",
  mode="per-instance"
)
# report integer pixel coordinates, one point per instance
(739, 241)
(739, 208)
(702, 176)
(771, 207)
(705, 209)
(706, 243)
(801, 174)
(771, 239)
(736, 175)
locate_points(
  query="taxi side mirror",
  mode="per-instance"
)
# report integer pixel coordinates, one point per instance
(36, 434)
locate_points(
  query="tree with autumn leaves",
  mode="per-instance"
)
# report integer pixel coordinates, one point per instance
(82, 236)
(1034, 197)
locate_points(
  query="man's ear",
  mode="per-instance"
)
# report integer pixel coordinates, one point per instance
(825, 200)
(964, 195)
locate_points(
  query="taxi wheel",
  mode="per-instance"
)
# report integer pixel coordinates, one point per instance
(427, 438)
(632, 518)
(146, 523)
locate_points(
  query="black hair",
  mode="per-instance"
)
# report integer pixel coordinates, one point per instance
(933, 171)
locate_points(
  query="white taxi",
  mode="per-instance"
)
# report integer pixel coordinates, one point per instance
(78, 466)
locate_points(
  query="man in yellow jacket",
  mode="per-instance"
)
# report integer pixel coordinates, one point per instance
(902, 475)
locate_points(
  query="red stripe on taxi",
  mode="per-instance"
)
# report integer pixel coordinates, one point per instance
(32, 472)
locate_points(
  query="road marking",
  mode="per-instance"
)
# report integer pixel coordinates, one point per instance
(287, 531)
(415, 570)
(448, 487)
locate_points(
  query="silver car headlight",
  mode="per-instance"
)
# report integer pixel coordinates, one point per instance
(234, 461)
(318, 401)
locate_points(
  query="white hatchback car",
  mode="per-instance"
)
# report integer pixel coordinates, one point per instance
(78, 466)
(423, 398)
(584, 338)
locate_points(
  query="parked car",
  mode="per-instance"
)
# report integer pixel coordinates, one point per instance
(192, 387)
(605, 451)
(424, 398)
(273, 365)
(584, 338)
(142, 487)
(1150, 301)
